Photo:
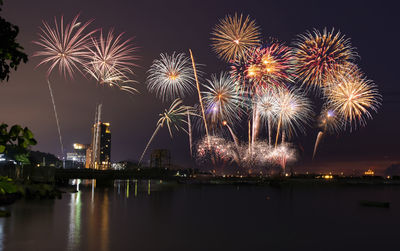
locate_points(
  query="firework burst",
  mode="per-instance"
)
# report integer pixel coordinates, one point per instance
(265, 67)
(318, 54)
(65, 46)
(282, 155)
(350, 94)
(216, 150)
(233, 36)
(111, 61)
(171, 76)
(221, 100)
(172, 118)
(293, 110)
(267, 105)
(112, 78)
(257, 158)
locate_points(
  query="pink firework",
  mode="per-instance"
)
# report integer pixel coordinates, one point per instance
(66, 46)
(110, 56)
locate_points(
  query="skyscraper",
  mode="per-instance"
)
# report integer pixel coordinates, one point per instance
(98, 155)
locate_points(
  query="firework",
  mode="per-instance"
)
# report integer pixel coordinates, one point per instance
(199, 93)
(56, 117)
(316, 55)
(221, 100)
(171, 76)
(64, 46)
(257, 158)
(264, 67)
(172, 118)
(110, 61)
(293, 110)
(328, 122)
(267, 108)
(256, 121)
(217, 150)
(112, 78)
(282, 155)
(350, 94)
(235, 139)
(189, 124)
(233, 36)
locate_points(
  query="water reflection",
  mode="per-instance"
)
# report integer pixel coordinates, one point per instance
(127, 188)
(1, 234)
(93, 214)
(74, 232)
(198, 217)
(93, 183)
(136, 188)
(104, 222)
(145, 187)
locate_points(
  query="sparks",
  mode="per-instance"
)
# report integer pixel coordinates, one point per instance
(233, 36)
(171, 76)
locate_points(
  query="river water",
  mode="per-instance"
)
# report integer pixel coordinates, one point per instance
(156, 215)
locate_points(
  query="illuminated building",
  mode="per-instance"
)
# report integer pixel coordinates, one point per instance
(369, 173)
(77, 158)
(89, 153)
(98, 155)
(160, 158)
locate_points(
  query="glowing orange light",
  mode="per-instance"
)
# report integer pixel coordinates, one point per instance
(252, 71)
(369, 172)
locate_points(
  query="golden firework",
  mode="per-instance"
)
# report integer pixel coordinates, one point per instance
(352, 95)
(233, 36)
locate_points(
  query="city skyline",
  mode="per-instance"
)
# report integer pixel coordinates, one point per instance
(77, 98)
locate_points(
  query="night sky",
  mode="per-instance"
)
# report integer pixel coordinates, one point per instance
(167, 26)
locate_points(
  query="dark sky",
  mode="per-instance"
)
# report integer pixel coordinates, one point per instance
(167, 26)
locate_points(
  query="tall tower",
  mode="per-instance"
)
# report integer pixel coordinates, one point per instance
(99, 153)
(104, 146)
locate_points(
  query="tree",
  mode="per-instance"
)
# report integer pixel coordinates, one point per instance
(16, 142)
(11, 53)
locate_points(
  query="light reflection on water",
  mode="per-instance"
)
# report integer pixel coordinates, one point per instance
(156, 215)
(74, 232)
(99, 205)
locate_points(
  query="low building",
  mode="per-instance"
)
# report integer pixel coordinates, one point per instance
(118, 166)
(160, 158)
(370, 172)
(77, 158)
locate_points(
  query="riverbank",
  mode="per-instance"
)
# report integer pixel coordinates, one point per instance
(11, 191)
(285, 181)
